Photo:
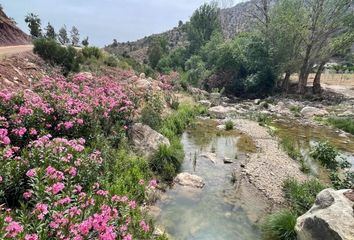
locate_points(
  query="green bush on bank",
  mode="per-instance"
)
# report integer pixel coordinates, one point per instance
(301, 196)
(326, 154)
(168, 160)
(57, 55)
(346, 124)
(280, 226)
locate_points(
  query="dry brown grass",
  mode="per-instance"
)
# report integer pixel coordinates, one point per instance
(343, 79)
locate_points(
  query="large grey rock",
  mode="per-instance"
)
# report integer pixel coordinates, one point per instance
(205, 103)
(189, 180)
(330, 218)
(313, 111)
(146, 140)
(221, 111)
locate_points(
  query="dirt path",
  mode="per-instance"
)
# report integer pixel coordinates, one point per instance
(270, 166)
(345, 90)
(10, 50)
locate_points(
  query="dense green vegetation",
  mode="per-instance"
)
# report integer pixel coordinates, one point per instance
(284, 39)
(168, 160)
(280, 226)
(346, 124)
(300, 198)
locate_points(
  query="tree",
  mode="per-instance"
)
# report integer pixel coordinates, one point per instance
(327, 21)
(156, 50)
(115, 43)
(204, 22)
(50, 32)
(63, 36)
(85, 42)
(180, 23)
(34, 24)
(285, 31)
(75, 36)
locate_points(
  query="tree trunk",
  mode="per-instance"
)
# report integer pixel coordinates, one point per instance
(285, 83)
(304, 71)
(316, 89)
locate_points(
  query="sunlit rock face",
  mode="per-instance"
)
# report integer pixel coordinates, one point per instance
(330, 218)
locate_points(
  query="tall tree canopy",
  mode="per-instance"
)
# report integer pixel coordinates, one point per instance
(34, 24)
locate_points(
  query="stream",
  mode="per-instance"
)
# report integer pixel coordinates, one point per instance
(212, 212)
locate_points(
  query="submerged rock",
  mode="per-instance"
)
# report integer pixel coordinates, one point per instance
(228, 160)
(313, 111)
(221, 111)
(330, 218)
(146, 140)
(189, 180)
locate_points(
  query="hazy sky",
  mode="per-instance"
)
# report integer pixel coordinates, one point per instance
(104, 20)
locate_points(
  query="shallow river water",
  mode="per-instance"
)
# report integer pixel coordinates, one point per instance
(208, 213)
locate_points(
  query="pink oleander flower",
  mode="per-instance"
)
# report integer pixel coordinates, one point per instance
(33, 132)
(153, 183)
(42, 209)
(31, 237)
(27, 195)
(68, 125)
(1, 179)
(13, 229)
(144, 226)
(57, 187)
(73, 171)
(102, 193)
(128, 237)
(132, 204)
(31, 173)
(19, 131)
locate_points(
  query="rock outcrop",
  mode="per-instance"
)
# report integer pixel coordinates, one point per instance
(221, 112)
(330, 218)
(10, 34)
(313, 111)
(189, 180)
(146, 140)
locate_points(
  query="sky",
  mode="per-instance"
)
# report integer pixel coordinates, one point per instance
(105, 20)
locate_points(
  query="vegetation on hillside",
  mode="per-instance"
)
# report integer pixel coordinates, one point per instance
(287, 37)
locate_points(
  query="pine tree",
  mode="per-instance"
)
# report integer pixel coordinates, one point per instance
(63, 36)
(75, 36)
(50, 32)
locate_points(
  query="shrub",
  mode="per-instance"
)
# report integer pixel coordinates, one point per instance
(229, 125)
(301, 196)
(346, 124)
(280, 226)
(151, 113)
(91, 52)
(326, 154)
(56, 55)
(111, 61)
(167, 161)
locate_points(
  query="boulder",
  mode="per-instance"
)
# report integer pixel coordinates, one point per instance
(221, 111)
(347, 113)
(205, 103)
(146, 140)
(313, 111)
(330, 218)
(189, 180)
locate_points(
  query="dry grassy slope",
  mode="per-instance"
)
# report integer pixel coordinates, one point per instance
(10, 34)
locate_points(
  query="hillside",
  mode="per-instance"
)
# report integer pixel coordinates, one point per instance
(10, 34)
(233, 21)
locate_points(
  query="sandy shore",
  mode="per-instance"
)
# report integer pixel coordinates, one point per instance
(270, 166)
